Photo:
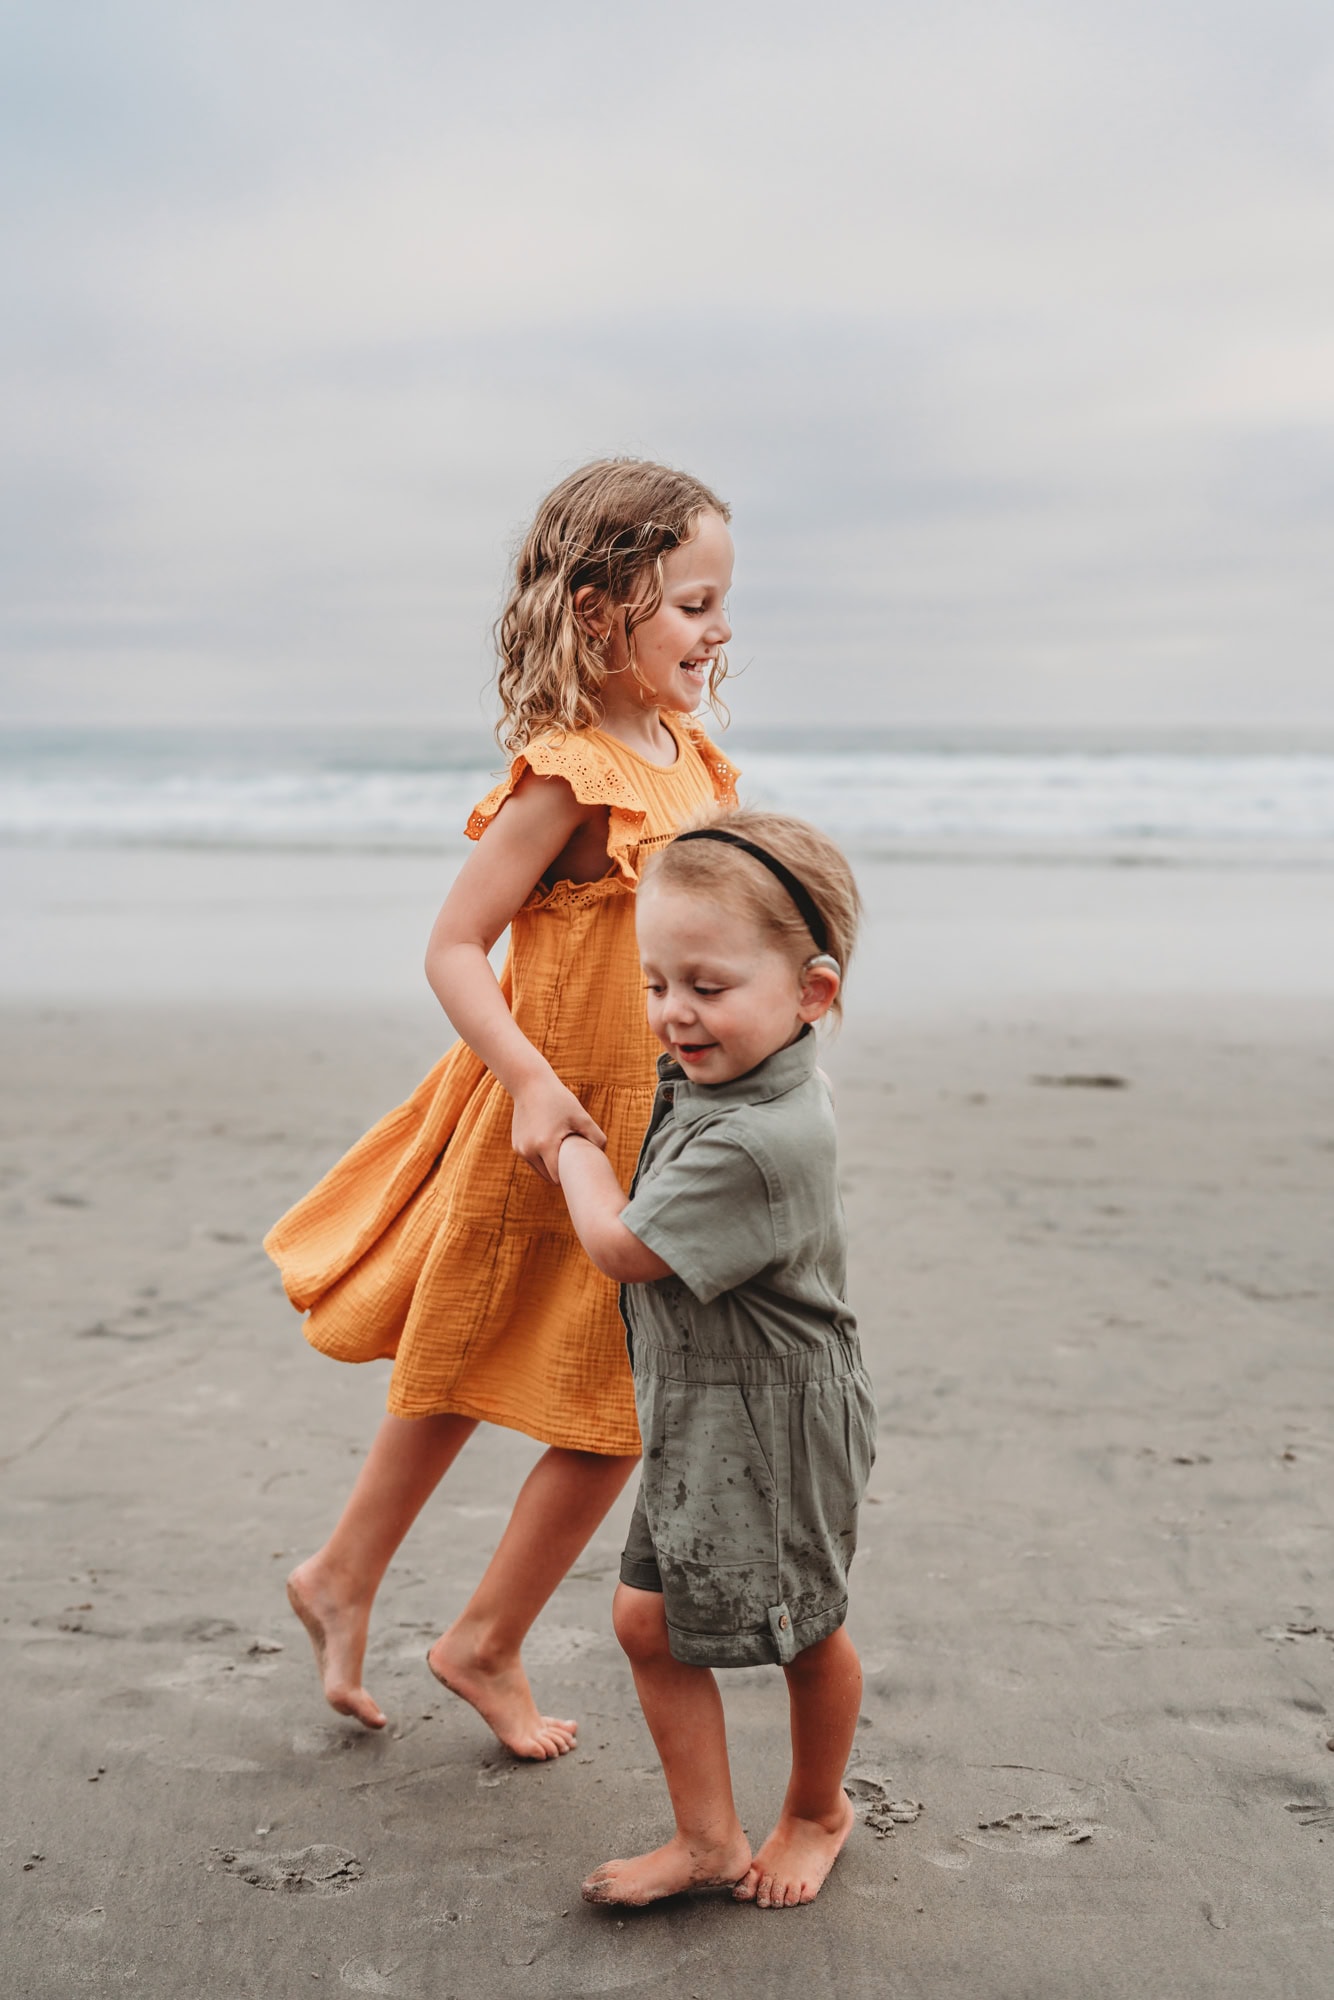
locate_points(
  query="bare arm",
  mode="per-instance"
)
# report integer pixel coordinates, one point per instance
(595, 1199)
(536, 823)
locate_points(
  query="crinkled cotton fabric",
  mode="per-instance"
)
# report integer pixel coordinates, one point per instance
(431, 1242)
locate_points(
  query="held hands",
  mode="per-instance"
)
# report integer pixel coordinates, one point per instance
(544, 1114)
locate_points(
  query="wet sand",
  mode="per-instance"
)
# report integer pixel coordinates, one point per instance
(1093, 1594)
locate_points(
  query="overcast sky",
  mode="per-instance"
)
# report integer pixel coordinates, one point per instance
(1007, 329)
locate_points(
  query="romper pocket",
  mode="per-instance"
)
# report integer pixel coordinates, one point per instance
(716, 1499)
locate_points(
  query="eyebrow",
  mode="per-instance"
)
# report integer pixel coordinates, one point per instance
(700, 969)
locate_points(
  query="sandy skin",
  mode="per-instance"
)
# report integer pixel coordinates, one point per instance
(791, 1868)
(672, 1870)
(338, 1634)
(500, 1693)
(684, 1712)
(794, 1862)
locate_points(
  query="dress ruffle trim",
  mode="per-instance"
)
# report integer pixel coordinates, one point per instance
(596, 781)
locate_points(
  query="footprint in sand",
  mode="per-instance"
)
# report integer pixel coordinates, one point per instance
(1298, 1629)
(495, 1770)
(1311, 1812)
(1143, 1628)
(870, 1794)
(191, 1631)
(360, 1976)
(302, 1871)
(1049, 1811)
(1031, 1833)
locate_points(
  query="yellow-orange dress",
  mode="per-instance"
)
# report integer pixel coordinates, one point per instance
(431, 1241)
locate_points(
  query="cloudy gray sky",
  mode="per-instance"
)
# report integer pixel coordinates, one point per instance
(1007, 328)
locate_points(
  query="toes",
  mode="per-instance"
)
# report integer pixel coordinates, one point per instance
(359, 1705)
(540, 1749)
(744, 1892)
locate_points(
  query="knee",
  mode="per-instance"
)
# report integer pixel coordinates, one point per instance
(640, 1622)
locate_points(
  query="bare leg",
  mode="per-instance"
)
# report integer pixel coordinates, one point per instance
(684, 1713)
(560, 1505)
(824, 1693)
(332, 1591)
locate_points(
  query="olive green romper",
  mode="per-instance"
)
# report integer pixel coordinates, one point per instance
(757, 1416)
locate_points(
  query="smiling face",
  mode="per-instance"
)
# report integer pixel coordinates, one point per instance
(675, 648)
(722, 995)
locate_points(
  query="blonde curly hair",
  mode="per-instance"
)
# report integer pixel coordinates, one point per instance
(607, 527)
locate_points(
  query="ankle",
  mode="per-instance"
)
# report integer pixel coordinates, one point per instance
(479, 1643)
(830, 1815)
(713, 1838)
(334, 1577)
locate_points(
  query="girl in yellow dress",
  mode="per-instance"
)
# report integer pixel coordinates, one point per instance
(441, 1240)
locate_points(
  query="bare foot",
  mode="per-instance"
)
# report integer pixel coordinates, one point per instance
(502, 1697)
(792, 1865)
(338, 1634)
(669, 1871)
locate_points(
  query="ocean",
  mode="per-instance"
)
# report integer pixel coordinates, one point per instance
(920, 795)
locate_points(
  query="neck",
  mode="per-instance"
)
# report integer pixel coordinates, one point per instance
(639, 727)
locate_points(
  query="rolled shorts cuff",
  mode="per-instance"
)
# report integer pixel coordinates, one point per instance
(757, 1648)
(641, 1573)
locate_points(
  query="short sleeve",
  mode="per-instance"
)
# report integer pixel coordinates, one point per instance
(707, 1214)
(594, 780)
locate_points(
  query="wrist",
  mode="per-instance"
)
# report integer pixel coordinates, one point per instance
(563, 1142)
(531, 1073)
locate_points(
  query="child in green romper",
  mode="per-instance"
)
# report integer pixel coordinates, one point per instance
(756, 1414)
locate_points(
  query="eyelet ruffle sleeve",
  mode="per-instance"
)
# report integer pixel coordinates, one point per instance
(722, 775)
(596, 780)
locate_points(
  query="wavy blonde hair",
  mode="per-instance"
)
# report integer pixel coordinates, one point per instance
(607, 528)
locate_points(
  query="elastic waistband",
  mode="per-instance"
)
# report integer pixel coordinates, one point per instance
(839, 1358)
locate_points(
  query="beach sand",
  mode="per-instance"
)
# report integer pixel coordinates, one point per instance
(1093, 1593)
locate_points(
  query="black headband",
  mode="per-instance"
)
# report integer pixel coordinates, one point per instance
(798, 891)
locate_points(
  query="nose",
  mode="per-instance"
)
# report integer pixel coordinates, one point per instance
(679, 1009)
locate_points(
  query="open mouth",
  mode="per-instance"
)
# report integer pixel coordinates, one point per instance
(694, 1051)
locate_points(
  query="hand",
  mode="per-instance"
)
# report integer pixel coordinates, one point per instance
(544, 1114)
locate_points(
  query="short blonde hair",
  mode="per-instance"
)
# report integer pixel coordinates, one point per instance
(607, 527)
(727, 874)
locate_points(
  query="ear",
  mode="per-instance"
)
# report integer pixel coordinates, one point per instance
(820, 986)
(590, 612)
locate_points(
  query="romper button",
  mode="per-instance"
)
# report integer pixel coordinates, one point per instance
(782, 1623)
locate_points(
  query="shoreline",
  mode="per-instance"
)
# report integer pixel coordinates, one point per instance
(335, 931)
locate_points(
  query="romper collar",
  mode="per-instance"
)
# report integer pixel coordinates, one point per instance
(774, 1077)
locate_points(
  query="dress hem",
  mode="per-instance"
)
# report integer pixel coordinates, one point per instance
(459, 1406)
